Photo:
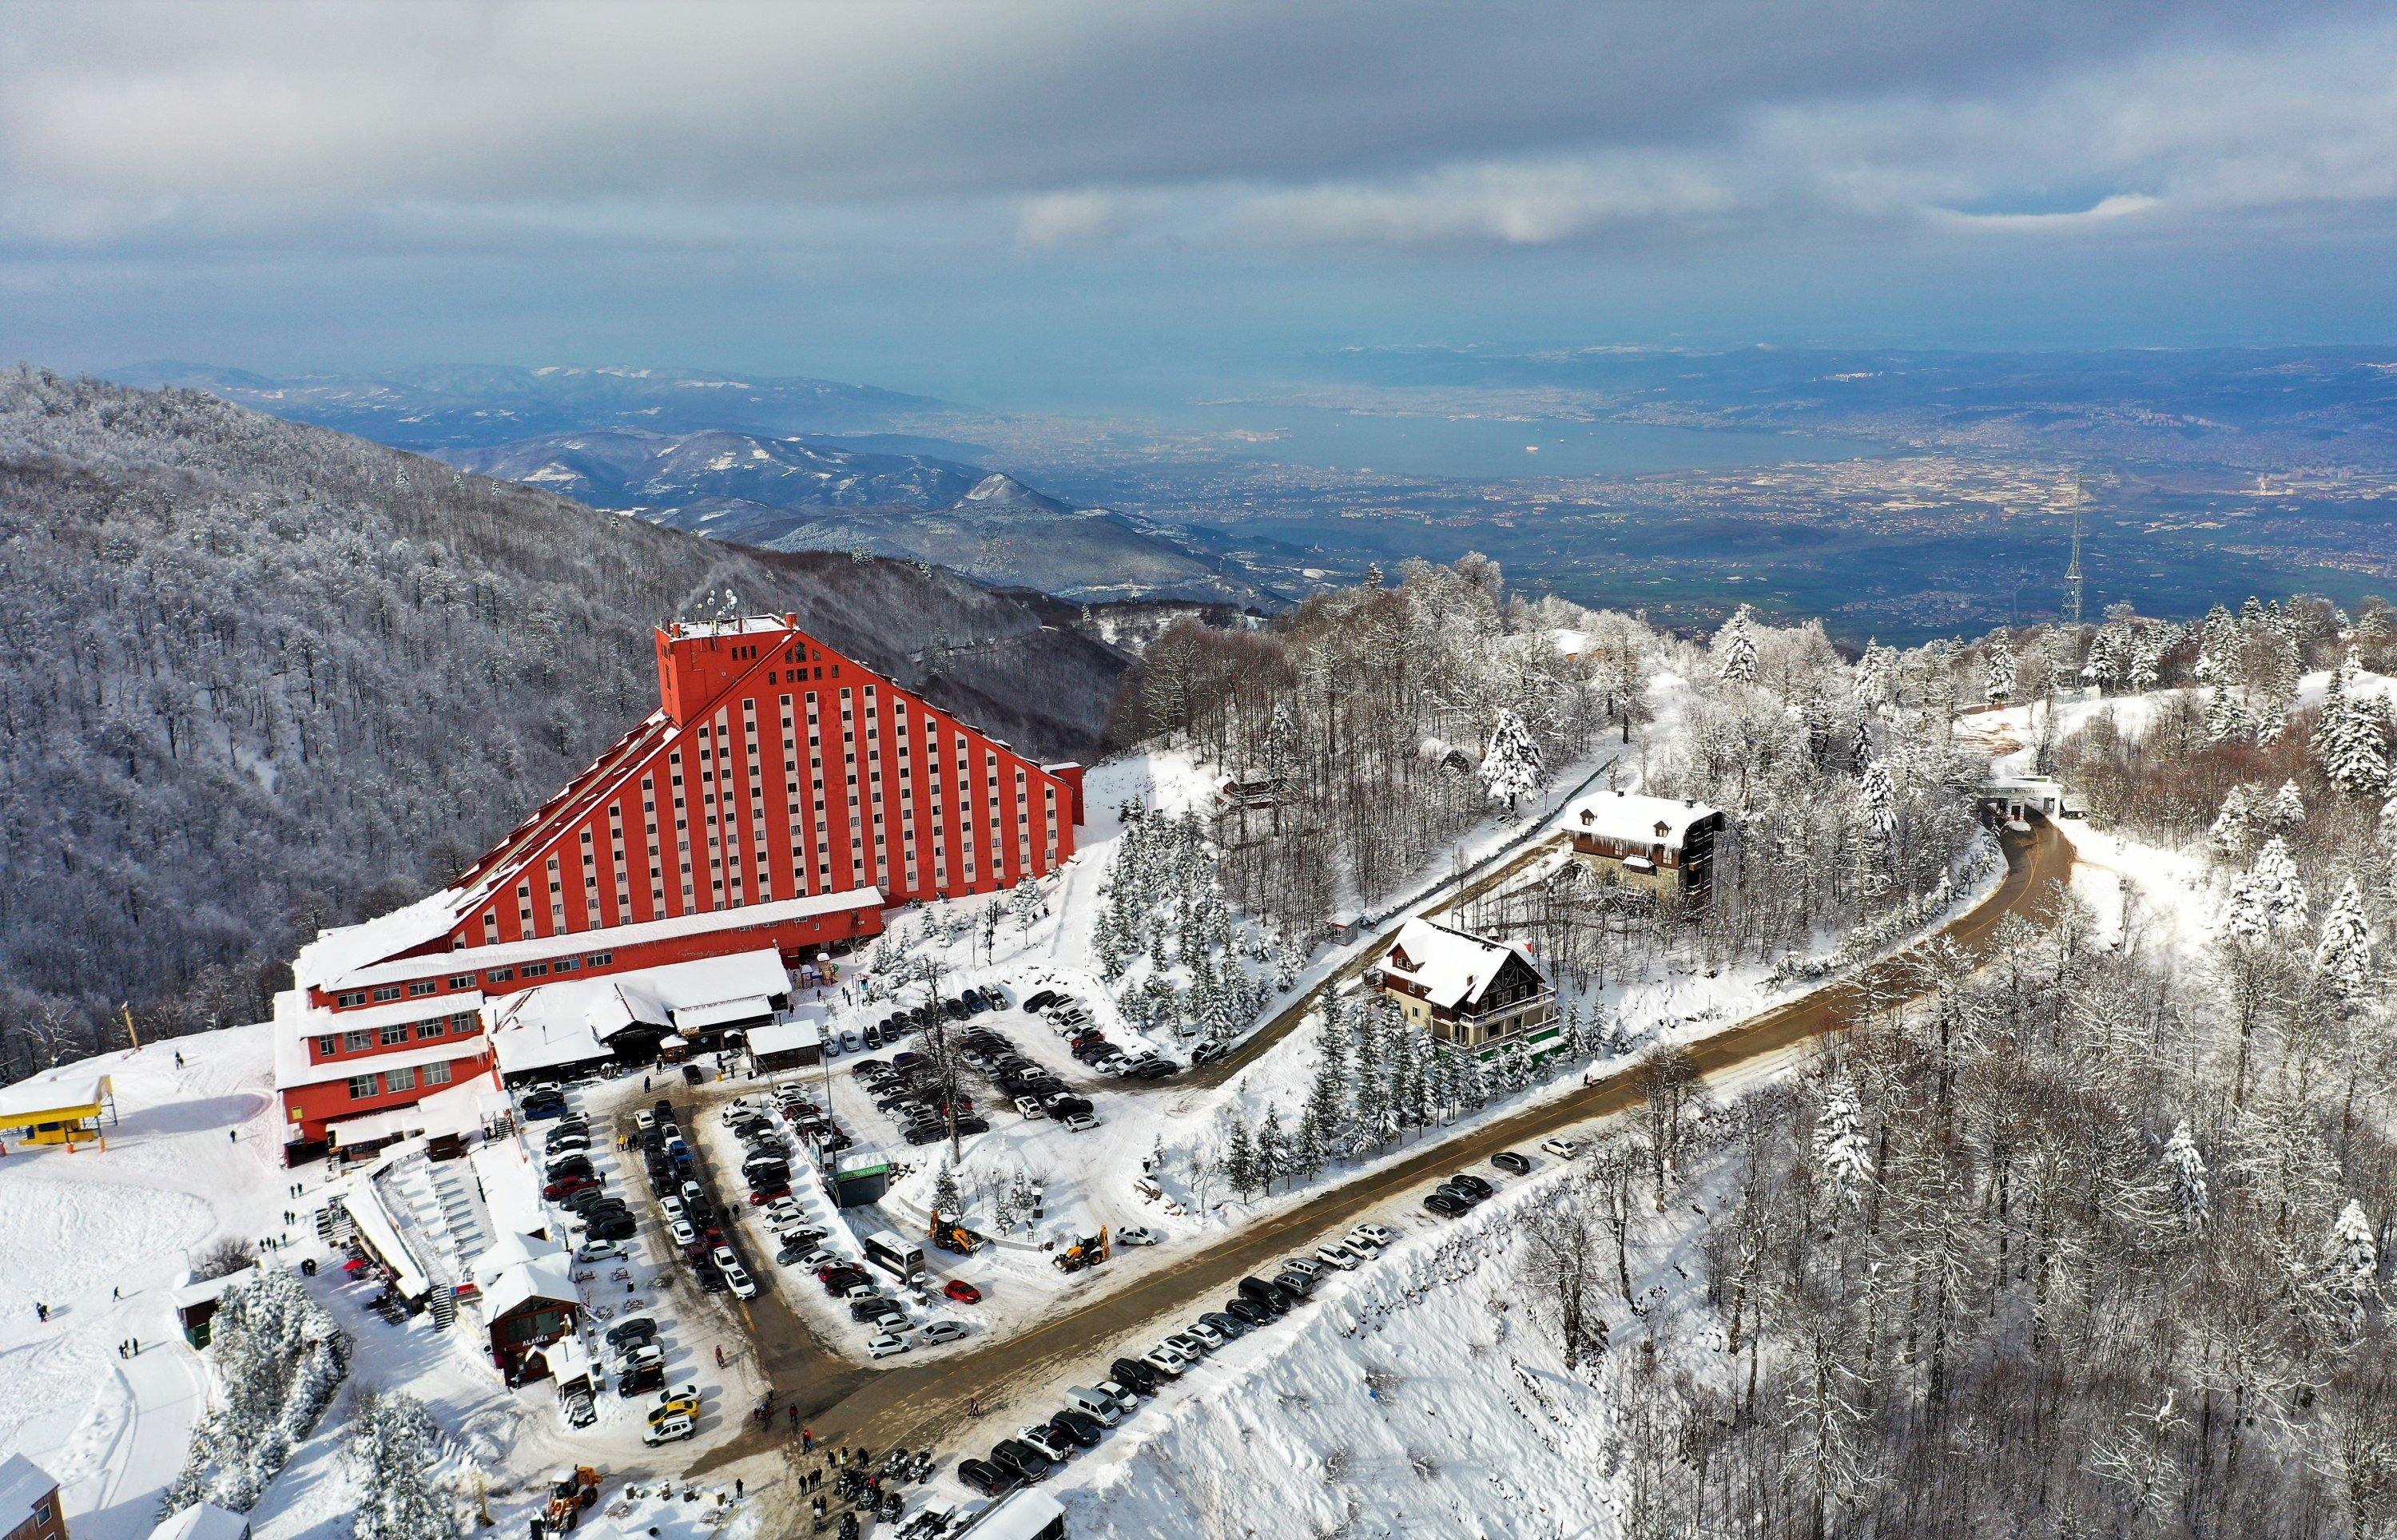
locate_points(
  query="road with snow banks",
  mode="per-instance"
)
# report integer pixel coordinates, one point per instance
(923, 1403)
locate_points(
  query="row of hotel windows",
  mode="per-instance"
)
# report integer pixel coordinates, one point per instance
(366, 1087)
(466, 981)
(392, 1035)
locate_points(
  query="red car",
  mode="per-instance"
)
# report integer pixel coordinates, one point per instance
(767, 1195)
(962, 1292)
(568, 1188)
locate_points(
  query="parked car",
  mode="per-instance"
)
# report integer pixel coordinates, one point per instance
(632, 1332)
(1137, 1235)
(1139, 1375)
(611, 1226)
(1381, 1235)
(885, 1345)
(1247, 1311)
(1482, 1192)
(565, 1186)
(1263, 1294)
(598, 1251)
(962, 1292)
(1165, 1360)
(1209, 1051)
(682, 1232)
(1339, 1257)
(1511, 1164)
(1084, 1429)
(988, 1479)
(1124, 1395)
(1362, 1244)
(1461, 1193)
(869, 1309)
(1045, 1438)
(1189, 1345)
(737, 1279)
(1040, 1000)
(1080, 1122)
(942, 1331)
(1026, 1463)
(1028, 1107)
(680, 1426)
(633, 1382)
(1223, 1325)
(1441, 1202)
(1305, 1267)
(1563, 1150)
(691, 1075)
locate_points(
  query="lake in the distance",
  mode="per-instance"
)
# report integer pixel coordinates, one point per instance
(1481, 448)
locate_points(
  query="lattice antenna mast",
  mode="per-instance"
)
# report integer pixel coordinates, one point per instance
(2072, 580)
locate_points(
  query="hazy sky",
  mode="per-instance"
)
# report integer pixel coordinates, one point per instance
(1021, 202)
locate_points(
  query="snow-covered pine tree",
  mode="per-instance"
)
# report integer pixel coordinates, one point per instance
(1273, 1148)
(947, 1201)
(1240, 1157)
(2225, 720)
(1841, 1152)
(2353, 1269)
(1998, 672)
(2347, 741)
(1880, 800)
(391, 1447)
(2234, 826)
(2288, 808)
(1735, 649)
(1327, 1099)
(2270, 899)
(1368, 1039)
(2343, 956)
(1510, 767)
(2185, 1166)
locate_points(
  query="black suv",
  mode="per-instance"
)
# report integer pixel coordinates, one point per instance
(1133, 1373)
(1020, 1457)
(985, 1477)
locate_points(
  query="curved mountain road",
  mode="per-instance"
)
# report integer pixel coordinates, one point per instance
(918, 1403)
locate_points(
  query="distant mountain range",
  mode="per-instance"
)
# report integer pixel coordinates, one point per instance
(479, 404)
(757, 462)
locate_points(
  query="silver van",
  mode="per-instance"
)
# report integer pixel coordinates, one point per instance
(1098, 1403)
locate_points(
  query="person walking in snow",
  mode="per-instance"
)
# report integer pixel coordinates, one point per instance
(41, 1311)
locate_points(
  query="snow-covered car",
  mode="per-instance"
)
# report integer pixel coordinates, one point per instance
(1380, 1235)
(669, 1430)
(682, 1232)
(737, 1279)
(885, 1345)
(1563, 1150)
(943, 1330)
(1339, 1257)
(1137, 1235)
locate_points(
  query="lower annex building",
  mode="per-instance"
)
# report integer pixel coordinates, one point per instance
(781, 795)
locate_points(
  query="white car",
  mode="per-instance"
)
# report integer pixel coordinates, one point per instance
(1380, 1235)
(885, 1345)
(1563, 1150)
(1339, 1257)
(676, 1392)
(1208, 1336)
(682, 1232)
(737, 1279)
(943, 1330)
(782, 1207)
(672, 1207)
(724, 1258)
(1166, 1359)
(1362, 1244)
(648, 1355)
(599, 1251)
(1029, 1107)
(1081, 1123)
(645, 1119)
(1124, 1395)
(1048, 1443)
(668, 1430)
(1137, 1235)
(849, 1040)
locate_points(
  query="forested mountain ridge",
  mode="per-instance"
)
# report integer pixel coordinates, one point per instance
(258, 677)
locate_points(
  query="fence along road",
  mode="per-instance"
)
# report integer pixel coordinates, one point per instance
(922, 1404)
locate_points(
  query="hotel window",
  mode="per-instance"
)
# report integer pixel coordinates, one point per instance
(436, 1074)
(535, 970)
(600, 960)
(566, 965)
(463, 1022)
(433, 1028)
(419, 988)
(361, 1087)
(356, 1043)
(461, 981)
(395, 1034)
(354, 997)
(326, 1046)
(399, 1080)
(499, 976)
(389, 991)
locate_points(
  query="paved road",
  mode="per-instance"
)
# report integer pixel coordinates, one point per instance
(919, 1403)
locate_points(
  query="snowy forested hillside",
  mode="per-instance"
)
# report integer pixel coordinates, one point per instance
(258, 677)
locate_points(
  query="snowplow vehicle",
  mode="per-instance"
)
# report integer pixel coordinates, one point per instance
(573, 1491)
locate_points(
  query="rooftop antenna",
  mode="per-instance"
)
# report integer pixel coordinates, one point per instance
(2072, 581)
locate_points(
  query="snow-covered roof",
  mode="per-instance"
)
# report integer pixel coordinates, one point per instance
(1452, 967)
(1022, 1514)
(337, 953)
(782, 1037)
(509, 1251)
(200, 1292)
(381, 1232)
(654, 995)
(52, 1091)
(722, 1013)
(505, 1175)
(1635, 819)
(748, 625)
(203, 1521)
(540, 1278)
(372, 971)
(537, 1041)
(22, 1484)
(367, 1019)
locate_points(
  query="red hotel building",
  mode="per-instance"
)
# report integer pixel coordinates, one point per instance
(782, 795)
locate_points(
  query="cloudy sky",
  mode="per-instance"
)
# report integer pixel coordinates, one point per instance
(1048, 202)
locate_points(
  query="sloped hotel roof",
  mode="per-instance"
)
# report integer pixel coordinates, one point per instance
(1635, 819)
